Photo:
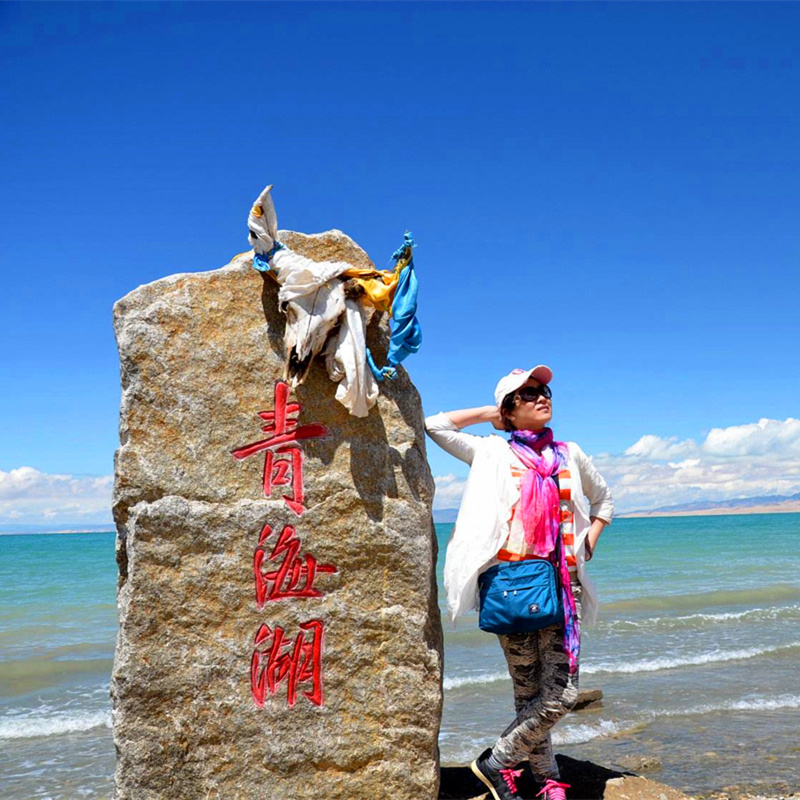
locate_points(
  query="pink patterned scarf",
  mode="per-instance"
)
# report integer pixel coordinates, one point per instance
(539, 504)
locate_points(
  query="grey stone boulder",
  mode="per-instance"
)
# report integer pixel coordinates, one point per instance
(351, 702)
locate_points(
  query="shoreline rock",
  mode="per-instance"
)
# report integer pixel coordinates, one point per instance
(589, 700)
(639, 764)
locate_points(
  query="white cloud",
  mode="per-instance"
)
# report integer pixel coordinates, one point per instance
(757, 459)
(30, 497)
(752, 460)
(654, 447)
(449, 489)
(772, 437)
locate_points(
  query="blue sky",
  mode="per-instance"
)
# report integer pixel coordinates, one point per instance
(611, 189)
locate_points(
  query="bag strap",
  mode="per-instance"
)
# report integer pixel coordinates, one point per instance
(554, 476)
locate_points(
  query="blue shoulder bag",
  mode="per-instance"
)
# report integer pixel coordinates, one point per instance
(520, 596)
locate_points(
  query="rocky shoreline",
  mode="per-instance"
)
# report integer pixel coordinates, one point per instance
(591, 781)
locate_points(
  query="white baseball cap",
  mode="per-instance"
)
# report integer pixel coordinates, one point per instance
(517, 377)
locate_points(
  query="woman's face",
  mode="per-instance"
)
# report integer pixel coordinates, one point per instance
(532, 415)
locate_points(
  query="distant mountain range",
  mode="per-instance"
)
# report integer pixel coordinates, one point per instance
(774, 503)
(64, 528)
(748, 505)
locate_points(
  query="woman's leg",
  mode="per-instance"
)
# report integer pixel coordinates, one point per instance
(543, 691)
(543, 762)
(522, 657)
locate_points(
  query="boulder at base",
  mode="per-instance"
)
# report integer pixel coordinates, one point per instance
(268, 647)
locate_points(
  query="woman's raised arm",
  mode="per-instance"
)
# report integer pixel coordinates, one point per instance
(445, 429)
(472, 416)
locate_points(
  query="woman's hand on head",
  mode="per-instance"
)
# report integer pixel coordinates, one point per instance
(472, 416)
(497, 420)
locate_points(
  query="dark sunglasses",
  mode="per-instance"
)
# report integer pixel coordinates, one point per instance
(529, 393)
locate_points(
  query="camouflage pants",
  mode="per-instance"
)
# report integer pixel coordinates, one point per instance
(543, 692)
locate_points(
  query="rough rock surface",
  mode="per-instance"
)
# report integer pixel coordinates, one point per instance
(635, 787)
(200, 355)
(589, 700)
(640, 763)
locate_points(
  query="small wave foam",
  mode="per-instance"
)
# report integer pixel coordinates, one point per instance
(701, 619)
(765, 703)
(774, 703)
(655, 664)
(458, 748)
(20, 727)
(577, 734)
(752, 703)
(629, 667)
(469, 680)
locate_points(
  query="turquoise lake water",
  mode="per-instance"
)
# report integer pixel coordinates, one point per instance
(696, 649)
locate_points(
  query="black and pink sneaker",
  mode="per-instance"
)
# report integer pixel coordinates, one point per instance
(502, 783)
(553, 790)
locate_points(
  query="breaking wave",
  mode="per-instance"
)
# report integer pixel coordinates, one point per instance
(470, 680)
(30, 725)
(700, 620)
(629, 667)
(667, 662)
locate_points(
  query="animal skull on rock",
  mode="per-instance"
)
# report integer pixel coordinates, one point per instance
(310, 320)
(312, 295)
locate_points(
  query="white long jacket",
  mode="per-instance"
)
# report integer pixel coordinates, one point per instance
(490, 494)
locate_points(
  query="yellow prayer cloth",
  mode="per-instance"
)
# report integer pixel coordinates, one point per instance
(379, 285)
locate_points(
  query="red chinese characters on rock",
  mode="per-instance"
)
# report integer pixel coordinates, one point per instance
(277, 658)
(283, 460)
(294, 574)
(297, 661)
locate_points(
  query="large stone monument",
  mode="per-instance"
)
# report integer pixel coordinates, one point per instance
(279, 631)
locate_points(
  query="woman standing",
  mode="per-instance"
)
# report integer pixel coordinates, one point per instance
(523, 500)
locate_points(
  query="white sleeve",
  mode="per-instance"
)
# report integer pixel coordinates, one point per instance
(595, 488)
(451, 438)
